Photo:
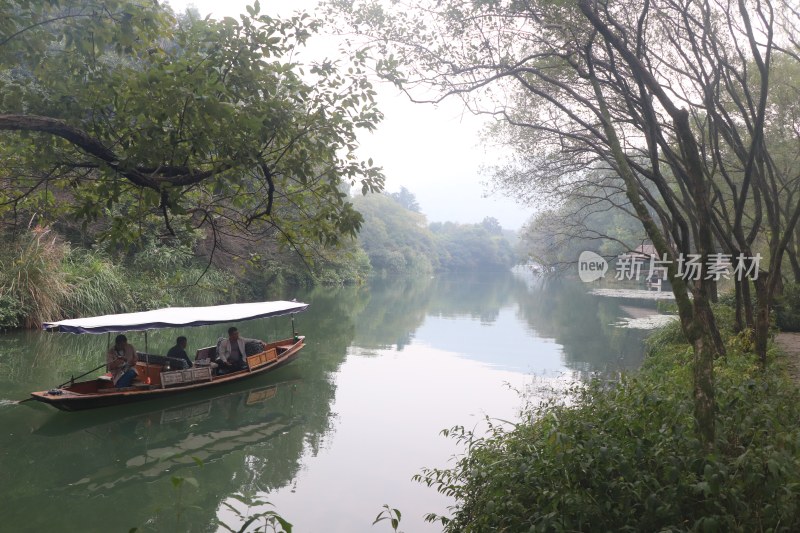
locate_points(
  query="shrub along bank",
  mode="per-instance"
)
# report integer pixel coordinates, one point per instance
(44, 278)
(624, 457)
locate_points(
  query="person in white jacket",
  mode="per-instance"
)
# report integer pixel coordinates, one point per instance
(231, 354)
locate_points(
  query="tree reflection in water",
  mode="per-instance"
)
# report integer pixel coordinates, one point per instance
(112, 468)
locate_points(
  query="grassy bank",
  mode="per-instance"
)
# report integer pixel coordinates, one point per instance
(43, 278)
(624, 456)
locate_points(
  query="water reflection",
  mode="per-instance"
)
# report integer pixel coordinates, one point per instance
(582, 324)
(113, 468)
(534, 325)
(72, 461)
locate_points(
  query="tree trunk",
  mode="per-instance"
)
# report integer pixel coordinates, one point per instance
(791, 251)
(739, 322)
(704, 405)
(747, 300)
(762, 319)
(696, 316)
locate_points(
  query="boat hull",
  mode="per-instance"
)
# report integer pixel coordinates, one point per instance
(68, 401)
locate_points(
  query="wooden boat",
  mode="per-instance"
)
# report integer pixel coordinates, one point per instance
(155, 378)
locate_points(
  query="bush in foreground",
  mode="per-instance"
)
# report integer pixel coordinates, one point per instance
(624, 456)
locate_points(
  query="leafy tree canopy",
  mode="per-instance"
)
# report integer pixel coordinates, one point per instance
(400, 241)
(406, 198)
(396, 239)
(472, 246)
(120, 111)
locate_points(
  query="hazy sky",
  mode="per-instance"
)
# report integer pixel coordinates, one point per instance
(435, 152)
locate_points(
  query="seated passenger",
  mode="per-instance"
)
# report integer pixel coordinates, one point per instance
(179, 352)
(231, 354)
(121, 362)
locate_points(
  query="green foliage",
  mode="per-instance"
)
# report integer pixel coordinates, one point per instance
(342, 267)
(30, 274)
(624, 456)
(398, 240)
(163, 275)
(555, 238)
(45, 279)
(406, 199)
(268, 520)
(11, 312)
(181, 121)
(472, 246)
(390, 515)
(787, 309)
(99, 285)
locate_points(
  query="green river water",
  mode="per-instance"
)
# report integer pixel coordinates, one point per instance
(328, 439)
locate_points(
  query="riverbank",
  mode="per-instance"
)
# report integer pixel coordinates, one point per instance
(44, 277)
(624, 455)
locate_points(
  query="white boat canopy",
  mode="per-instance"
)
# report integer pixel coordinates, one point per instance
(175, 317)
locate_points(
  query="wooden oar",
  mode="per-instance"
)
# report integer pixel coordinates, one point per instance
(70, 380)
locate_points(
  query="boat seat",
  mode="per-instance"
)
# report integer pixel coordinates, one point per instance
(162, 360)
(261, 359)
(209, 353)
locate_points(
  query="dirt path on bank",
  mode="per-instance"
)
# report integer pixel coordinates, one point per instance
(790, 344)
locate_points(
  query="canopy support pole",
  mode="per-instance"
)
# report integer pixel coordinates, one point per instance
(294, 332)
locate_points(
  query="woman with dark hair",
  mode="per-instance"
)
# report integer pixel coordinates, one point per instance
(121, 362)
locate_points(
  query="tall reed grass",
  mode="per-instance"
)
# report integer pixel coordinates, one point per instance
(31, 274)
(99, 286)
(43, 278)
